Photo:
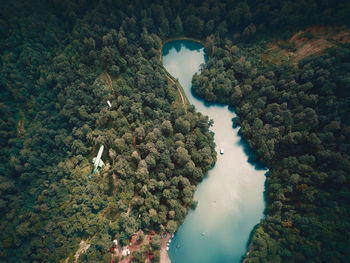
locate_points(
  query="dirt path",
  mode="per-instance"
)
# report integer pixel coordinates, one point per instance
(129, 210)
(109, 80)
(84, 246)
(114, 180)
(178, 88)
(164, 257)
(134, 198)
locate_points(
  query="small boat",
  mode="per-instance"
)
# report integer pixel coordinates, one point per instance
(221, 151)
(167, 248)
(178, 246)
(203, 234)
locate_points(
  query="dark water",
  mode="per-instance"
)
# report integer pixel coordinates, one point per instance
(230, 199)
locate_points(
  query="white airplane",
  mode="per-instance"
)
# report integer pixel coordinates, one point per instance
(97, 160)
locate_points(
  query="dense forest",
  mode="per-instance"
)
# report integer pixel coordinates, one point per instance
(62, 60)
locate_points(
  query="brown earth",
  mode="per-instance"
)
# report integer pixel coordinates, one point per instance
(135, 245)
(164, 258)
(313, 40)
(83, 247)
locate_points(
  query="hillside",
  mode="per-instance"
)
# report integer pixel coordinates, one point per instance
(283, 66)
(304, 43)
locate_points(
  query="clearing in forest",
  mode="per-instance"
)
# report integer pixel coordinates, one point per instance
(313, 40)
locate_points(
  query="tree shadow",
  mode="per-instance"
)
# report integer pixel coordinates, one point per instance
(178, 44)
(207, 103)
(252, 158)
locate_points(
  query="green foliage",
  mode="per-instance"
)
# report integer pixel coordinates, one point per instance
(296, 122)
(171, 226)
(54, 117)
(66, 119)
(156, 242)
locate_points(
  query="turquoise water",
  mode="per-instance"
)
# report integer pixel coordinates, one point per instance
(230, 199)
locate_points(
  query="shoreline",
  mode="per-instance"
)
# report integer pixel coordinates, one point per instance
(183, 96)
(249, 247)
(184, 38)
(164, 257)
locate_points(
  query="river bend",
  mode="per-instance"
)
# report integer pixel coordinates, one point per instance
(230, 199)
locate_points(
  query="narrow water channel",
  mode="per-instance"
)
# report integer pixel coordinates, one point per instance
(230, 198)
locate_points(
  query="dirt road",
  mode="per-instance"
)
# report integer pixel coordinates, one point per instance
(164, 258)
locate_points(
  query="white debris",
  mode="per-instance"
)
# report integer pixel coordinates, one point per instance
(97, 160)
(125, 251)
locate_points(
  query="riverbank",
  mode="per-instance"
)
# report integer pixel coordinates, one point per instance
(164, 257)
(170, 78)
(180, 89)
(186, 39)
(230, 198)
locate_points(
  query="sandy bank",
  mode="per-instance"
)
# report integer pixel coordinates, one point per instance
(164, 258)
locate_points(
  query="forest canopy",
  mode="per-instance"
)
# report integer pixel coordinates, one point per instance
(62, 60)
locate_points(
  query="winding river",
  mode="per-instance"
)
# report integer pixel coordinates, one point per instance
(230, 199)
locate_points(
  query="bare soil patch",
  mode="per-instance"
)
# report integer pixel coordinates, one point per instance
(83, 247)
(313, 40)
(164, 257)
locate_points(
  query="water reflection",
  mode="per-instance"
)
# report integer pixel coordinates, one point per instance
(230, 198)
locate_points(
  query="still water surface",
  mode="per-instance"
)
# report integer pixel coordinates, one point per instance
(230, 198)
